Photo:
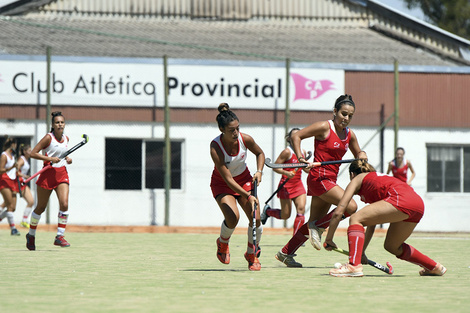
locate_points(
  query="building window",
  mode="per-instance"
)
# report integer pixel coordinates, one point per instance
(448, 168)
(126, 169)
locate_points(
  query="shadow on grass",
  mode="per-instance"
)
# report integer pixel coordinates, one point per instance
(214, 270)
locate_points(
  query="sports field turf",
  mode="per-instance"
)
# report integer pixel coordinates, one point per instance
(143, 272)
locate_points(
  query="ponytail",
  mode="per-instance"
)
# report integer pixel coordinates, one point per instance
(361, 166)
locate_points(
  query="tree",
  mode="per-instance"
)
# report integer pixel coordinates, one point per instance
(451, 15)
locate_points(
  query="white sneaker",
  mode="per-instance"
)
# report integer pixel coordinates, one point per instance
(347, 270)
(439, 270)
(315, 235)
(287, 259)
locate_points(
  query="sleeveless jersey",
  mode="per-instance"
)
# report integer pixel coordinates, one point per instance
(376, 187)
(330, 149)
(25, 168)
(297, 177)
(400, 172)
(236, 164)
(10, 161)
(56, 149)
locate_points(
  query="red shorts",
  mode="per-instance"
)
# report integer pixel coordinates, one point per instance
(291, 191)
(219, 186)
(408, 202)
(319, 186)
(52, 177)
(7, 182)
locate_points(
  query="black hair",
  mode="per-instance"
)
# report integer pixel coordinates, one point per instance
(360, 166)
(8, 142)
(225, 115)
(343, 100)
(289, 134)
(400, 148)
(23, 148)
(54, 115)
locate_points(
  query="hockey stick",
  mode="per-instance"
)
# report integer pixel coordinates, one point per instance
(300, 165)
(309, 155)
(80, 144)
(255, 194)
(388, 269)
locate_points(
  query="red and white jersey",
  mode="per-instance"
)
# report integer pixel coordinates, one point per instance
(56, 149)
(378, 186)
(292, 159)
(400, 172)
(10, 161)
(330, 149)
(236, 164)
(26, 166)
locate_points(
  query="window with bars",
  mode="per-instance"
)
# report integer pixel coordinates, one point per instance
(133, 164)
(448, 168)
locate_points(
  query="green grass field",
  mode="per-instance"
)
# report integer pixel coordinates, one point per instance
(130, 272)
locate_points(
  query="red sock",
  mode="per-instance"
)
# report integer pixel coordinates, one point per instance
(297, 240)
(299, 221)
(412, 255)
(276, 213)
(324, 222)
(356, 243)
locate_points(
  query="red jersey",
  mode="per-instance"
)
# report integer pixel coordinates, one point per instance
(330, 149)
(400, 172)
(377, 186)
(297, 177)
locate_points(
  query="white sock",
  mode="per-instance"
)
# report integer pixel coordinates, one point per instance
(34, 223)
(26, 213)
(225, 232)
(3, 214)
(11, 220)
(63, 216)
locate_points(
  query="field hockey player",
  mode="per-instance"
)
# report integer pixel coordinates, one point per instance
(333, 139)
(54, 145)
(231, 182)
(391, 201)
(290, 189)
(8, 183)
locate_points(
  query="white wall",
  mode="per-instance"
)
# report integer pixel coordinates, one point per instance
(193, 205)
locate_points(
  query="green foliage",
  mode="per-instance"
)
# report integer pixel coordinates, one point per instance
(451, 15)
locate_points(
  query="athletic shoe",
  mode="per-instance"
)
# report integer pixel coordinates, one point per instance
(15, 232)
(223, 253)
(264, 217)
(30, 242)
(287, 259)
(315, 235)
(253, 262)
(439, 270)
(60, 241)
(347, 270)
(24, 224)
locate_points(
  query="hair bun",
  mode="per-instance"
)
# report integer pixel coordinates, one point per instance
(223, 107)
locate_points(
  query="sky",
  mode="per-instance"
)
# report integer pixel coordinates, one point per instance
(396, 4)
(401, 6)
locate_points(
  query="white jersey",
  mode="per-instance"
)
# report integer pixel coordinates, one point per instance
(10, 161)
(57, 149)
(26, 166)
(236, 164)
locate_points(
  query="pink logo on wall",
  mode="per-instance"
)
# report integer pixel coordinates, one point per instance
(309, 89)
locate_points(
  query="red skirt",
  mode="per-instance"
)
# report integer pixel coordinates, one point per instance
(219, 186)
(52, 177)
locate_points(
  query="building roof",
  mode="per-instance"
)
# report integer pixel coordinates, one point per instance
(190, 39)
(343, 31)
